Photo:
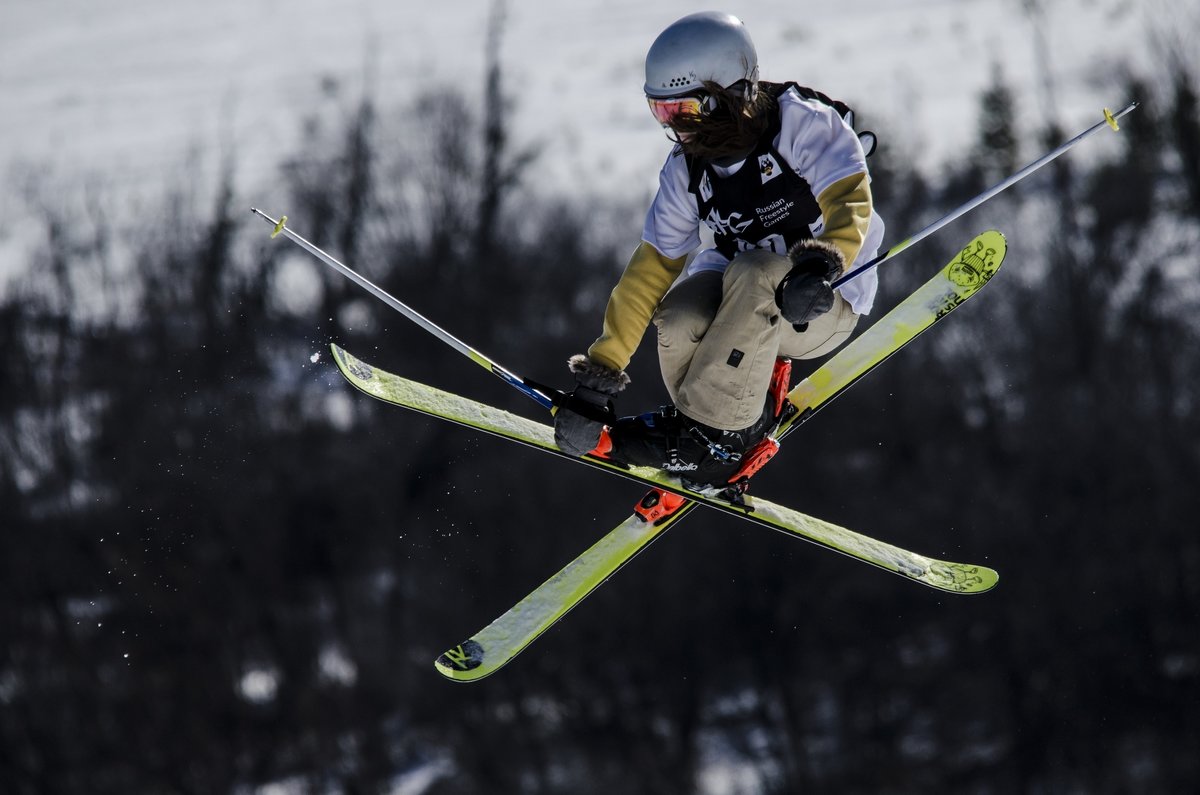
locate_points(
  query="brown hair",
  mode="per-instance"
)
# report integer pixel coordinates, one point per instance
(732, 128)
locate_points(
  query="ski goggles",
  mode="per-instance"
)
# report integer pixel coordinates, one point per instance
(667, 109)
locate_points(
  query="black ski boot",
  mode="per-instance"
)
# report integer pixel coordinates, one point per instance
(703, 457)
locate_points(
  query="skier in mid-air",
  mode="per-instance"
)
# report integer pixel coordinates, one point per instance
(780, 177)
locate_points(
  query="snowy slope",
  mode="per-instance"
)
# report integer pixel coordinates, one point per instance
(123, 91)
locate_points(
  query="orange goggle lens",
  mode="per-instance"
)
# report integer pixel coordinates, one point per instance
(671, 108)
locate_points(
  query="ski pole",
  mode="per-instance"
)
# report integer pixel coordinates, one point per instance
(1110, 120)
(547, 397)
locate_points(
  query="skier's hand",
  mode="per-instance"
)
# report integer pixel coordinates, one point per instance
(806, 292)
(597, 386)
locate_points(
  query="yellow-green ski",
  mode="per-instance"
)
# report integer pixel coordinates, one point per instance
(500, 641)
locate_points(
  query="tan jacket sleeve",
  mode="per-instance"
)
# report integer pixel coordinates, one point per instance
(632, 303)
(846, 208)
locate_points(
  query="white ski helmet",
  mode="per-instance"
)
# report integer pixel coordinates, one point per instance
(706, 46)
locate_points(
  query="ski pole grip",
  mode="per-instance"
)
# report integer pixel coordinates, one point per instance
(585, 408)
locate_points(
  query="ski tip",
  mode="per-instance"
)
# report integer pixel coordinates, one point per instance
(463, 663)
(355, 370)
(961, 578)
(987, 580)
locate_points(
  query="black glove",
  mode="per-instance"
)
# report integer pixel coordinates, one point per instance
(806, 292)
(596, 386)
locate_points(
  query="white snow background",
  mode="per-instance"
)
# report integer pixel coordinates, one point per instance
(121, 93)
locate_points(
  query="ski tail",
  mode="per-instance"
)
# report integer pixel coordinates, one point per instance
(491, 648)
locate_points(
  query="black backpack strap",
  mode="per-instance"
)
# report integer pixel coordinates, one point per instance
(868, 139)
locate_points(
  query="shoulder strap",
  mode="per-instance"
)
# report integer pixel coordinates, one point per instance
(868, 139)
(844, 110)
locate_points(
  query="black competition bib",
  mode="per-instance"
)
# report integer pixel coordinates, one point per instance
(765, 204)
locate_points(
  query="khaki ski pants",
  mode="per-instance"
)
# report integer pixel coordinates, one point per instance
(719, 336)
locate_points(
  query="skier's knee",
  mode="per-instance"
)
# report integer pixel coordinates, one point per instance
(687, 310)
(764, 267)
